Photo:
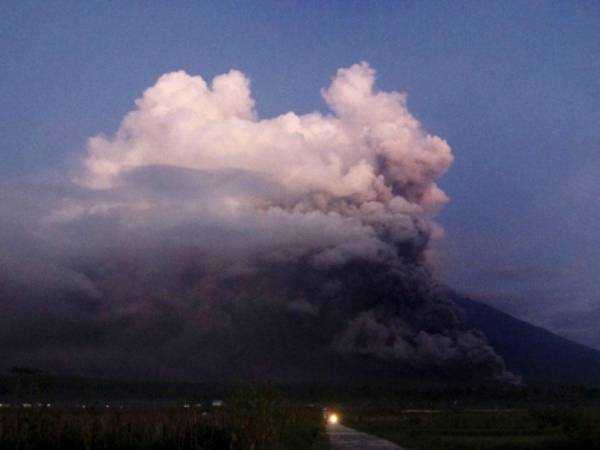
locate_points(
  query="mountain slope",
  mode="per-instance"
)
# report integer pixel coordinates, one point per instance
(530, 351)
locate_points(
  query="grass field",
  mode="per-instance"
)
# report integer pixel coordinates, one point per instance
(509, 429)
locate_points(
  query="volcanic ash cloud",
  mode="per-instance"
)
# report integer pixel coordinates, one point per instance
(207, 228)
(369, 168)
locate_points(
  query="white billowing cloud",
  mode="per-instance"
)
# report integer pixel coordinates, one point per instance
(369, 160)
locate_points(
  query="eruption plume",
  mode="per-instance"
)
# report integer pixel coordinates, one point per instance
(211, 243)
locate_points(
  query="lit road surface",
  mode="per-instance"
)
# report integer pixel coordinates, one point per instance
(344, 438)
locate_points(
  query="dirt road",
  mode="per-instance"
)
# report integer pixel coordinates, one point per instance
(344, 438)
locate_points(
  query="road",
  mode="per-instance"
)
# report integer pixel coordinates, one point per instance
(344, 438)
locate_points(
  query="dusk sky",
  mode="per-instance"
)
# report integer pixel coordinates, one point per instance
(512, 87)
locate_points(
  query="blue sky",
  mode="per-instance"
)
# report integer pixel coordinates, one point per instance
(514, 87)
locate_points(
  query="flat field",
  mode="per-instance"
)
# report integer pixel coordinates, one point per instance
(485, 429)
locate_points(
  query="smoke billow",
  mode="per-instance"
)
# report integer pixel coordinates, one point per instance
(203, 242)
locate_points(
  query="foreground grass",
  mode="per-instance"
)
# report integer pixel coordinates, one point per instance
(487, 430)
(254, 418)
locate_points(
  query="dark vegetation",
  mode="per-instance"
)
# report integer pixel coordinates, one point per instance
(251, 418)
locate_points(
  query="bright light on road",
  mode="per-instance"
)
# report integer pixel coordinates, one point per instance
(333, 419)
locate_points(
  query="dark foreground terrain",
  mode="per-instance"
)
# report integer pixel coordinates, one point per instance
(41, 412)
(296, 428)
(543, 429)
(252, 418)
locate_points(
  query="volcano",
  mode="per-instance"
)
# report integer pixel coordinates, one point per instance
(536, 354)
